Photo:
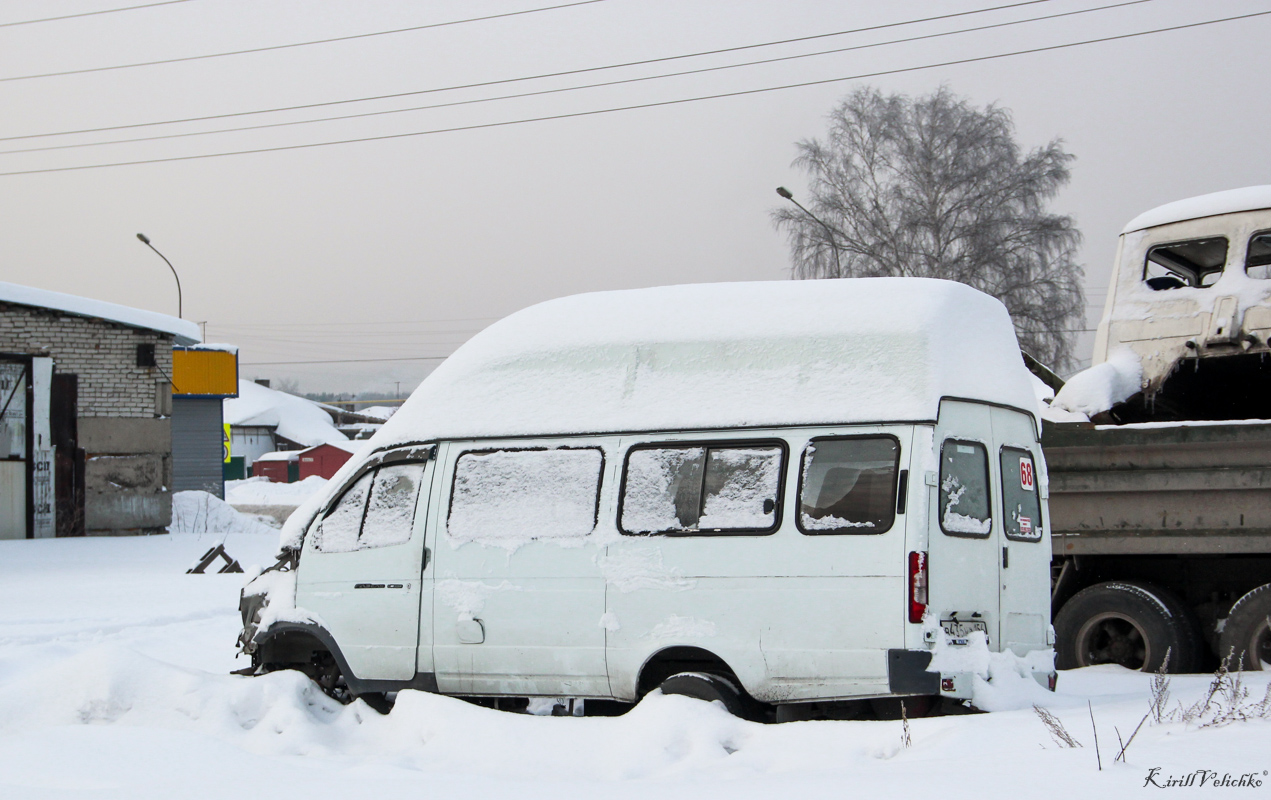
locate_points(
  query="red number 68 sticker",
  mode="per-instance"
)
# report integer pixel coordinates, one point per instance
(1026, 477)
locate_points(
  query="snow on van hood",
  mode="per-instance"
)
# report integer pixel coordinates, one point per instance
(718, 355)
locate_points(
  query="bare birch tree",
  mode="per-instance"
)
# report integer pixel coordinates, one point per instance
(936, 187)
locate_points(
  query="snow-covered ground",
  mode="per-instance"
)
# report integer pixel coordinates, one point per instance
(260, 491)
(114, 684)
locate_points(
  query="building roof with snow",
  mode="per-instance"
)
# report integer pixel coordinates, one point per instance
(293, 418)
(1250, 198)
(185, 332)
(720, 356)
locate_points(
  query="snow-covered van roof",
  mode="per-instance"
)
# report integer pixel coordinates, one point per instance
(185, 332)
(722, 355)
(1250, 198)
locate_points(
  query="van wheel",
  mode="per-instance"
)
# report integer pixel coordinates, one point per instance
(708, 687)
(1125, 623)
(1247, 633)
(379, 701)
(325, 672)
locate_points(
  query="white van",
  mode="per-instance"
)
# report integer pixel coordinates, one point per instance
(770, 494)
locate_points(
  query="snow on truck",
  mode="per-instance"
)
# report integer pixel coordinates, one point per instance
(1161, 501)
(780, 496)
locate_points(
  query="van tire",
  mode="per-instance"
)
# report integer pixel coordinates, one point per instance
(708, 687)
(1126, 623)
(1246, 636)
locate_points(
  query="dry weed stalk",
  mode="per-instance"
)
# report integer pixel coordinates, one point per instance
(1057, 730)
(905, 740)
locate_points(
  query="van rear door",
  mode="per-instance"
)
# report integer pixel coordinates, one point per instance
(963, 550)
(1025, 544)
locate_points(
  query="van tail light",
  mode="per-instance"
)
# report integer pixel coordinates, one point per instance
(917, 586)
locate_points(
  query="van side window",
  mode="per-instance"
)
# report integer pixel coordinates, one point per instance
(849, 485)
(1258, 259)
(1020, 501)
(702, 489)
(390, 514)
(509, 496)
(338, 531)
(964, 489)
(378, 510)
(1196, 263)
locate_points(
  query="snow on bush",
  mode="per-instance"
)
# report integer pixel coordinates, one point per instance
(509, 497)
(200, 512)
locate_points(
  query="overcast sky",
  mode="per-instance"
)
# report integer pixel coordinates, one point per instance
(405, 247)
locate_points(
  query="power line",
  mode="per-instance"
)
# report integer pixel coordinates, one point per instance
(560, 90)
(501, 81)
(640, 106)
(323, 324)
(90, 13)
(296, 44)
(342, 361)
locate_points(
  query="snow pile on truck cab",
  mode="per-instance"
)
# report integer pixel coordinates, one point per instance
(1247, 198)
(1102, 386)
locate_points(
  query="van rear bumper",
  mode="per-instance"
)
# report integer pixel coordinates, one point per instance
(907, 673)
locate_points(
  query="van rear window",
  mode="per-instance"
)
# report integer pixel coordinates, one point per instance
(689, 489)
(1020, 499)
(509, 496)
(849, 485)
(964, 489)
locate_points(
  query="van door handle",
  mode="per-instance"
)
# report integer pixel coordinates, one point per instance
(1006, 558)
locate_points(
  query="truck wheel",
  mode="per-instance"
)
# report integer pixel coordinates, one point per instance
(708, 687)
(1247, 634)
(1124, 623)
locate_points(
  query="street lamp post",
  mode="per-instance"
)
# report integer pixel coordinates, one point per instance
(146, 242)
(784, 192)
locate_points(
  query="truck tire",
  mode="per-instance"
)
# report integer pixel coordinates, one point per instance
(708, 687)
(1126, 623)
(1247, 633)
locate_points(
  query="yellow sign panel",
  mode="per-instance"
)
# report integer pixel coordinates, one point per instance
(225, 442)
(204, 373)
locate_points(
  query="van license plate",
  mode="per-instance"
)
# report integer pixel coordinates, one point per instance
(961, 628)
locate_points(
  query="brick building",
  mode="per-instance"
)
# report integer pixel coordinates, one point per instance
(86, 415)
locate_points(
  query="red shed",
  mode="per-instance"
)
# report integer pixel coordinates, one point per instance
(324, 459)
(279, 467)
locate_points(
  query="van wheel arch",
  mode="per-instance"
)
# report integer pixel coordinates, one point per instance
(306, 648)
(673, 660)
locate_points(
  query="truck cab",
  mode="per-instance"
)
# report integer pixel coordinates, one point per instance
(1190, 297)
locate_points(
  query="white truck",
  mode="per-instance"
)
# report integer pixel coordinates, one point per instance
(1162, 501)
(783, 496)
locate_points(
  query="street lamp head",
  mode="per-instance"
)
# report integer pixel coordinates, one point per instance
(143, 238)
(781, 190)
